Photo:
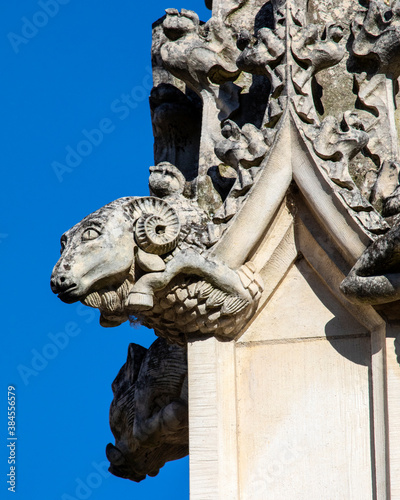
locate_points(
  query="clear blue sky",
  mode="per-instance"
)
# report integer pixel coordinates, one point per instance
(63, 73)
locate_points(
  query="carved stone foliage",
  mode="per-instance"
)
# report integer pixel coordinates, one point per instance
(376, 57)
(149, 414)
(224, 58)
(201, 58)
(377, 37)
(243, 150)
(261, 55)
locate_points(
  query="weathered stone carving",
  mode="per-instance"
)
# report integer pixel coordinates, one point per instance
(241, 110)
(377, 37)
(261, 55)
(197, 55)
(243, 150)
(375, 277)
(142, 257)
(147, 258)
(203, 57)
(376, 58)
(338, 144)
(313, 52)
(148, 415)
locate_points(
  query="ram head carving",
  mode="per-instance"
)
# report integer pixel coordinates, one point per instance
(103, 255)
(145, 259)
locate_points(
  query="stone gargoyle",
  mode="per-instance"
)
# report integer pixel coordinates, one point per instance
(149, 413)
(375, 277)
(147, 258)
(187, 40)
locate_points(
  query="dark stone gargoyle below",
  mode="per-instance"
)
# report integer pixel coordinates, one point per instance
(149, 412)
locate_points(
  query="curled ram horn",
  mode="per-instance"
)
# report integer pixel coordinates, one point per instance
(157, 227)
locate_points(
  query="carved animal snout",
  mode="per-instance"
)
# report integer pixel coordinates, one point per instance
(60, 283)
(62, 286)
(114, 455)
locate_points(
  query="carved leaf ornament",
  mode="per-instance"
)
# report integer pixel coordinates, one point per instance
(316, 152)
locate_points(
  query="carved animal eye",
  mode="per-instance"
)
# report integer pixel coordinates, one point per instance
(90, 234)
(63, 243)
